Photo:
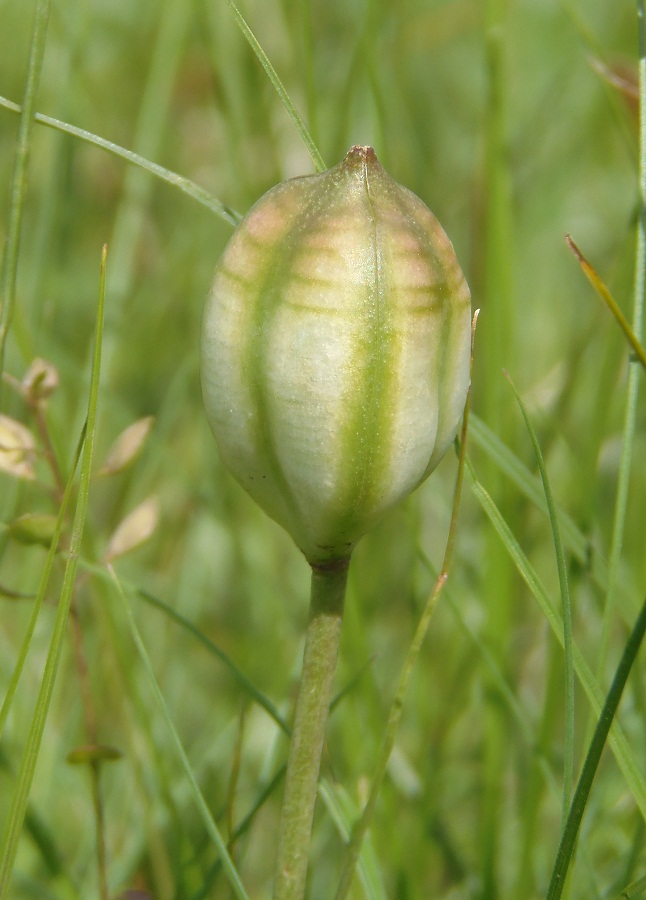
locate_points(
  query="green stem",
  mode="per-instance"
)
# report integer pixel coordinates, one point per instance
(308, 733)
(9, 271)
(571, 830)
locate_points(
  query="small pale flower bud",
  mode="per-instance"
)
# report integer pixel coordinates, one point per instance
(40, 381)
(335, 351)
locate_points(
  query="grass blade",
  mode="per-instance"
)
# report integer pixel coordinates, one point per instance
(18, 806)
(245, 683)
(601, 289)
(513, 703)
(185, 185)
(568, 767)
(19, 183)
(207, 818)
(593, 756)
(636, 889)
(630, 411)
(617, 739)
(279, 87)
(40, 595)
(239, 676)
(530, 486)
(343, 813)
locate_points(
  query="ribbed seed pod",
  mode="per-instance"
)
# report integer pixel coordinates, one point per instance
(335, 351)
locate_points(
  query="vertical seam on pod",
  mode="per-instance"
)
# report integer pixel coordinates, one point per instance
(371, 441)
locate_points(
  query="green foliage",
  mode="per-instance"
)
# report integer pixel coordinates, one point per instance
(516, 123)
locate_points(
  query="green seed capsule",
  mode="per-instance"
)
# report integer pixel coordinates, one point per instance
(335, 351)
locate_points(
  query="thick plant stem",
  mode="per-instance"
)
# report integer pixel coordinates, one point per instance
(308, 733)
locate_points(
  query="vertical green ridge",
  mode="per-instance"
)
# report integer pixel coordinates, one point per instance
(367, 439)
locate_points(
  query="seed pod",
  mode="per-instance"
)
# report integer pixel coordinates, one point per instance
(335, 351)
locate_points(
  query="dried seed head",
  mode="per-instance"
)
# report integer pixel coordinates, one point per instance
(335, 351)
(17, 448)
(40, 381)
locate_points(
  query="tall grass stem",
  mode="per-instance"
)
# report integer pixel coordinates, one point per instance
(18, 807)
(19, 182)
(568, 764)
(209, 822)
(630, 414)
(498, 326)
(618, 740)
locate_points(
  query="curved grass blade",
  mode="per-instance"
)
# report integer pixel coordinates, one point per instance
(183, 184)
(20, 798)
(530, 485)
(239, 676)
(617, 740)
(593, 756)
(279, 87)
(244, 682)
(198, 797)
(568, 766)
(19, 181)
(512, 702)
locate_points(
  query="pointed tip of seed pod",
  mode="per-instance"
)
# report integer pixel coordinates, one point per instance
(358, 150)
(361, 154)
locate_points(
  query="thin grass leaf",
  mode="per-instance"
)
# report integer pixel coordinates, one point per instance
(185, 185)
(618, 741)
(162, 71)
(238, 675)
(20, 797)
(568, 763)
(19, 180)
(636, 889)
(596, 51)
(245, 683)
(630, 412)
(40, 595)
(279, 87)
(514, 705)
(50, 855)
(343, 813)
(530, 485)
(198, 797)
(601, 289)
(499, 247)
(580, 799)
(205, 891)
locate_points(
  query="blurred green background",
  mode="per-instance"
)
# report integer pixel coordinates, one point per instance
(516, 122)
